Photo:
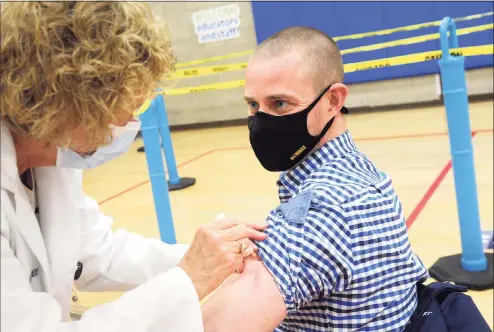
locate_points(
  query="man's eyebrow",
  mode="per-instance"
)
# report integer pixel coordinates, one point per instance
(280, 96)
(272, 97)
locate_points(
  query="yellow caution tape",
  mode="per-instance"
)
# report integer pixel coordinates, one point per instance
(358, 66)
(415, 40)
(202, 71)
(410, 27)
(201, 88)
(207, 87)
(417, 57)
(353, 36)
(216, 58)
(349, 68)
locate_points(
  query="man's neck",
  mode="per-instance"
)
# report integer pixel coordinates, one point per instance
(337, 129)
(31, 153)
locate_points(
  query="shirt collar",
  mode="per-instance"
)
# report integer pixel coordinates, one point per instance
(337, 147)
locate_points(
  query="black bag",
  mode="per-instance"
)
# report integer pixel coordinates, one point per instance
(444, 307)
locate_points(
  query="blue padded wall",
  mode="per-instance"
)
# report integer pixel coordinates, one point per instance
(344, 18)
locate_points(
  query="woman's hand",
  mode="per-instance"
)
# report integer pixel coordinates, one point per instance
(217, 251)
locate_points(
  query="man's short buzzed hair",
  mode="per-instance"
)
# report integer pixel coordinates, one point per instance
(321, 51)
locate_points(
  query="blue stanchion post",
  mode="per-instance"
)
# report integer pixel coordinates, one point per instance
(166, 141)
(159, 184)
(460, 139)
(471, 268)
(175, 182)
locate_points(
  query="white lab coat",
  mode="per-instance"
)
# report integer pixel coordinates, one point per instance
(39, 260)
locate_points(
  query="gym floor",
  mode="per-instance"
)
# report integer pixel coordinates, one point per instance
(410, 145)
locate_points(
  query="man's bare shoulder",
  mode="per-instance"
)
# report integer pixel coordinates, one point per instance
(255, 274)
(250, 302)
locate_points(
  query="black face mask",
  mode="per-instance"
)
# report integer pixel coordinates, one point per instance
(280, 142)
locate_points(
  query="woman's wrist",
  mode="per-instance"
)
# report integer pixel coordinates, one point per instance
(198, 284)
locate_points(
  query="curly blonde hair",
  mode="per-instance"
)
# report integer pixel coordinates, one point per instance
(71, 65)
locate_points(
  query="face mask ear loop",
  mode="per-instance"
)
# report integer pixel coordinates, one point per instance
(314, 103)
(325, 129)
(344, 110)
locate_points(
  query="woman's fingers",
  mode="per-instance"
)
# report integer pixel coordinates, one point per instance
(222, 223)
(250, 247)
(258, 227)
(251, 250)
(242, 232)
(216, 253)
(240, 267)
(238, 247)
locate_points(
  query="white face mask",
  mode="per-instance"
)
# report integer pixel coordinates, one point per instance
(122, 138)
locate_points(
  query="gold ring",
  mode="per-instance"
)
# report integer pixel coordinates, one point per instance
(243, 247)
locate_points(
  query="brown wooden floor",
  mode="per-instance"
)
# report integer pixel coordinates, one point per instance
(410, 145)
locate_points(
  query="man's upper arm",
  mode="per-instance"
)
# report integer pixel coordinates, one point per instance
(307, 254)
(250, 302)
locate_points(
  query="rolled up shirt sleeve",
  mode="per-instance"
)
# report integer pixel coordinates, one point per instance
(308, 251)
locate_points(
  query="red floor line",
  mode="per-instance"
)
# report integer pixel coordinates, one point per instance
(428, 194)
(430, 191)
(480, 131)
(195, 158)
(146, 181)
(378, 138)
(382, 138)
(233, 148)
(123, 192)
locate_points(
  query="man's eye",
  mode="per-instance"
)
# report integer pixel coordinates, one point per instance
(280, 104)
(253, 105)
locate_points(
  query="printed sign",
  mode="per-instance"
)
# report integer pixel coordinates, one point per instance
(215, 24)
(488, 239)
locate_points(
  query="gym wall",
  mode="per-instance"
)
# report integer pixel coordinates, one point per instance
(208, 106)
(391, 86)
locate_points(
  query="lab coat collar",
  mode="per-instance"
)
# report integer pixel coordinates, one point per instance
(26, 224)
(10, 173)
(60, 215)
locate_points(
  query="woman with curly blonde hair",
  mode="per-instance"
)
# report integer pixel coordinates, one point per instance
(72, 75)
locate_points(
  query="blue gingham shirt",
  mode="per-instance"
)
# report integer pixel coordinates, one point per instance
(338, 247)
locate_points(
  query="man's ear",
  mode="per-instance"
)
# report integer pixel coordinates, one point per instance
(338, 92)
